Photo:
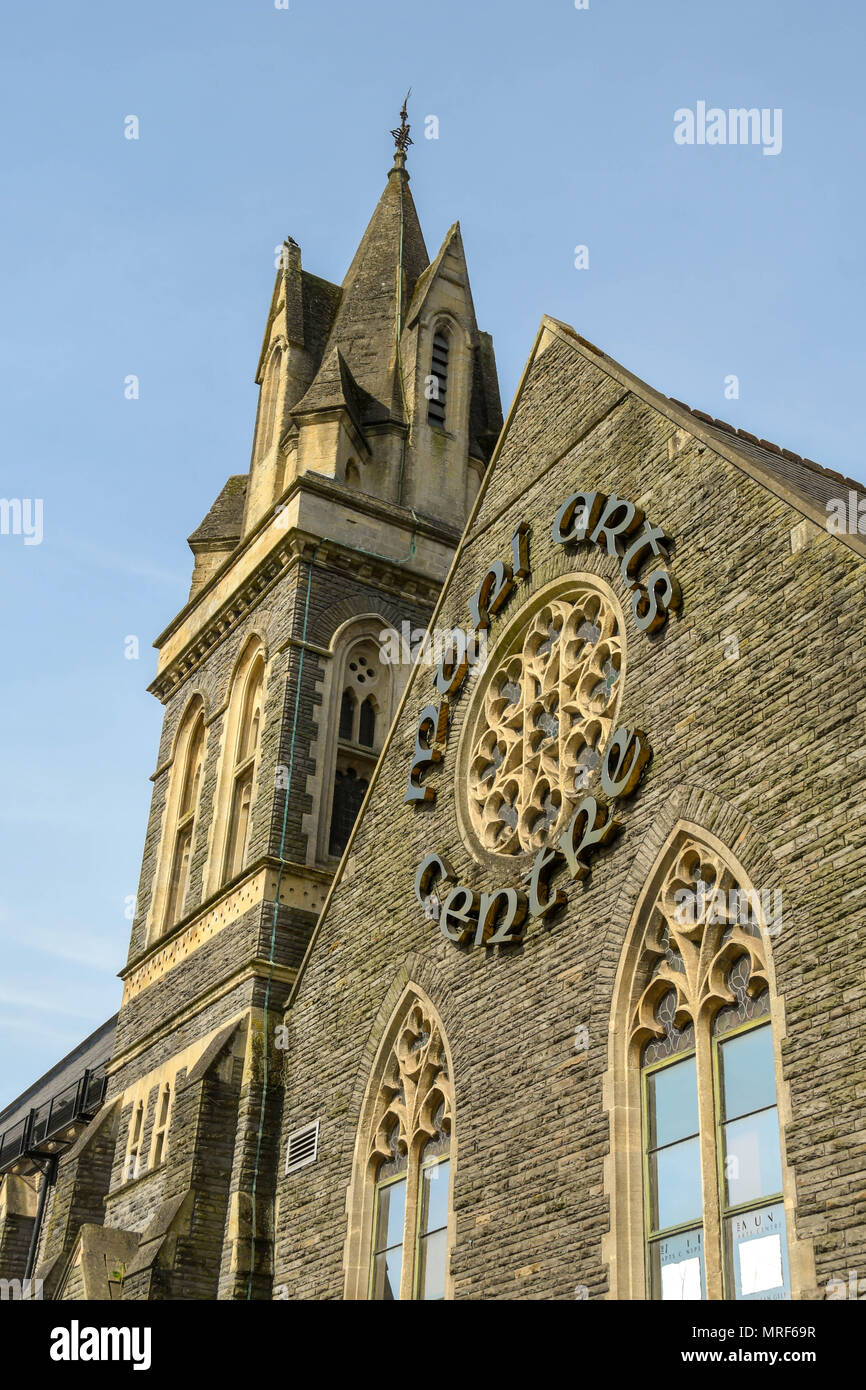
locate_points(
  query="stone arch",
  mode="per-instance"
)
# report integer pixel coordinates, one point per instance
(251, 651)
(443, 323)
(694, 820)
(271, 393)
(358, 630)
(325, 625)
(407, 1010)
(194, 712)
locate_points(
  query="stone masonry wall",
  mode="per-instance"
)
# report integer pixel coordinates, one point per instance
(767, 749)
(207, 1245)
(279, 619)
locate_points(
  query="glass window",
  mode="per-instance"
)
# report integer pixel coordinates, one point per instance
(699, 1032)
(673, 1178)
(752, 1160)
(432, 1230)
(349, 793)
(677, 1267)
(747, 1073)
(675, 1184)
(751, 1166)
(672, 1103)
(410, 1168)
(749, 1160)
(388, 1244)
(347, 716)
(367, 723)
(757, 1254)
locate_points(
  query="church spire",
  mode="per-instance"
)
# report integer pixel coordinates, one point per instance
(378, 285)
(402, 138)
(345, 369)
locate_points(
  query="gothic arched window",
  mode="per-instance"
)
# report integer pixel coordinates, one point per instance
(437, 381)
(405, 1158)
(244, 768)
(191, 753)
(366, 689)
(700, 1042)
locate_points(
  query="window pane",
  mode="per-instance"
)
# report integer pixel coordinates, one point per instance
(391, 1215)
(672, 1101)
(347, 716)
(753, 1160)
(677, 1267)
(431, 1259)
(367, 724)
(757, 1257)
(434, 1197)
(747, 1074)
(675, 1185)
(349, 792)
(387, 1269)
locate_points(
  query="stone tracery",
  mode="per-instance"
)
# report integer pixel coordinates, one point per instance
(702, 956)
(545, 717)
(415, 1104)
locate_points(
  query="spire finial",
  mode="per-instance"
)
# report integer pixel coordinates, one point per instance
(402, 138)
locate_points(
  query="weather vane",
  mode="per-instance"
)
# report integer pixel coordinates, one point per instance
(402, 138)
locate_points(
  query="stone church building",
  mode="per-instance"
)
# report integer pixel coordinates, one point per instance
(526, 962)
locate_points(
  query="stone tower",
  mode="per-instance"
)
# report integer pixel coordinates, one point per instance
(378, 410)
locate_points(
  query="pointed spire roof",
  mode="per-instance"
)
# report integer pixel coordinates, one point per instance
(375, 298)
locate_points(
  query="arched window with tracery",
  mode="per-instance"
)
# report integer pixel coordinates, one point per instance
(191, 754)
(405, 1156)
(244, 760)
(437, 381)
(700, 1046)
(364, 700)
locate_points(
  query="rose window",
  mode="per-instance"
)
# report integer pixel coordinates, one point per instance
(543, 720)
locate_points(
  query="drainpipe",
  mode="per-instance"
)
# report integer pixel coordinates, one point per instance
(49, 1173)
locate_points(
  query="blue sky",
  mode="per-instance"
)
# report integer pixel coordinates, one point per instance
(155, 257)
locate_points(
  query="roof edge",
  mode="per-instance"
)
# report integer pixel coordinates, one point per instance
(685, 418)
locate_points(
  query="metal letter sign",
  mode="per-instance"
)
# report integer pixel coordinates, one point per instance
(498, 917)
